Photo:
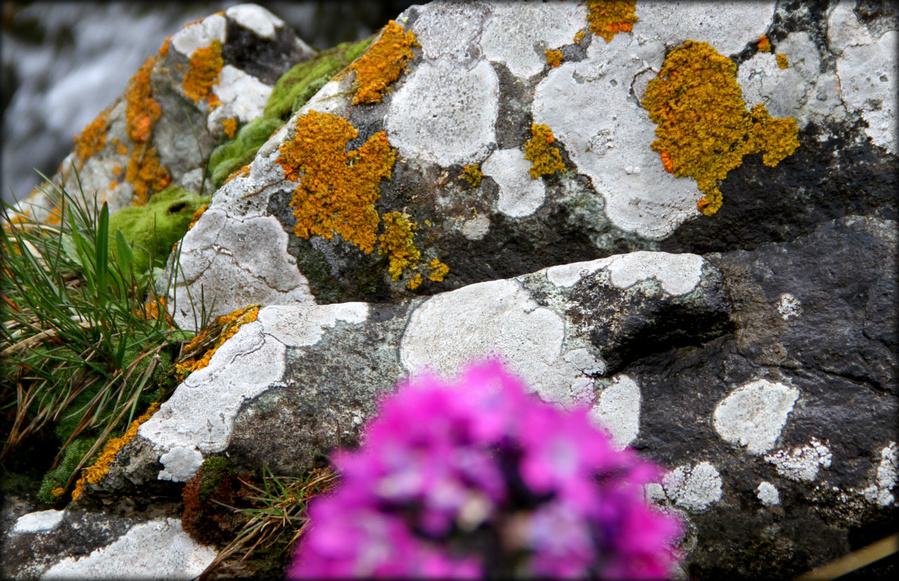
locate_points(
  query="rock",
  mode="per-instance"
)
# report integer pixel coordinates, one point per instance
(205, 82)
(751, 350)
(68, 544)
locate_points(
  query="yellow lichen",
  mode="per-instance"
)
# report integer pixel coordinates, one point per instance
(703, 127)
(782, 61)
(92, 138)
(545, 160)
(93, 474)
(579, 37)
(472, 174)
(382, 63)
(415, 282)
(438, 270)
(764, 44)
(553, 57)
(397, 242)
(197, 353)
(229, 125)
(58, 491)
(609, 17)
(339, 189)
(205, 65)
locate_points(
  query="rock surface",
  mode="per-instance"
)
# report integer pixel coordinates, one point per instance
(752, 352)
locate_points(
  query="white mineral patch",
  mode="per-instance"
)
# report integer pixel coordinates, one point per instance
(615, 138)
(201, 411)
(445, 113)
(242, 96)
(801, 463)
(238, 263)
(868, 78)
(255, 18)
(334, 98)
(568, 275)
(36, 522)
(200, 34)
(180, 464)
(678, 274)
(881, 490)
(476, 228)
(450, 29)
(768, 494)
(728, 28)
(302, 326)
(755, 414)
(159, 549)
(519, 194)
(693, 487)
(498, 318)
(618, 410)
(800, 91)
(518, 33)
(844, 29)
(789, 306)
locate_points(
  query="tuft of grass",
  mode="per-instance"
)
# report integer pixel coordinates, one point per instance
(85, 342)
(275, 520)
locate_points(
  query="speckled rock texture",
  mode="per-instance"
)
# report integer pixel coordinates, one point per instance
(752, 352)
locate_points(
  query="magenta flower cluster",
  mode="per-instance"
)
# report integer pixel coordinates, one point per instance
(481, 479)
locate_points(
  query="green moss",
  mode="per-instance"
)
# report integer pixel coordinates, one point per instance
(59, 476)
(215, 469)
(153, 229)
(300, 83)
(232, 155)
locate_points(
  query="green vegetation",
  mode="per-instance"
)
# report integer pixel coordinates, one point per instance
(85, 345)
(291, 92)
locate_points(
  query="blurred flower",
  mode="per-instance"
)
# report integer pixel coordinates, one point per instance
(480, 479)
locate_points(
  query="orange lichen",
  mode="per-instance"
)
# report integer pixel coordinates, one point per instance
(58, 491)
(197, 215)
(472, 174)
(339, 189)
(122, 149)
(398, 243)
(782, 61)
(545, 160)
(382, 63)
(93, 474)
(244, 171)
(164, 49)
(205, 65)
(141, 109)
(229, 125)
(666, 161)
(609, 17)
(579, 37)
(117, 169)
(438, 270)
(146, 174)
(702, 122)
(92, 138)
(553, 57)
(113, 185)
(197, 353)
(764, 44)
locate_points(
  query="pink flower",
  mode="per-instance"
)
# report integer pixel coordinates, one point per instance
(480, 478)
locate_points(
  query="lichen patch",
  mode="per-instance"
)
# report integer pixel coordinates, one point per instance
(754, 415)
(803, 462)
